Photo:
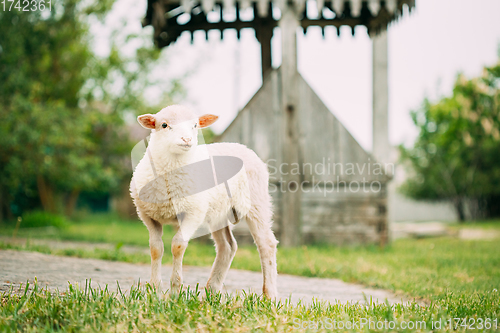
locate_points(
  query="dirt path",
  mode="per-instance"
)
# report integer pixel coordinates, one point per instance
(17, 267)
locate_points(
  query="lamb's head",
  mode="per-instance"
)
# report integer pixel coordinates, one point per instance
(175, 128)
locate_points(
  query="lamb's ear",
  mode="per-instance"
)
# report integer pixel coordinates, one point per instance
(207, 120)
(147, 121)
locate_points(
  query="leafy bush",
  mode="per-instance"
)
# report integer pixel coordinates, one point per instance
(455, 156)
(37, 219)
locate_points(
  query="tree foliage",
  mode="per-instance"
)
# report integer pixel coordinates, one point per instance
(457, 153)
(63, 108)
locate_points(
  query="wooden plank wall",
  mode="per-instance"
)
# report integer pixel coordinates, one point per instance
(338, 216)
(334, 217)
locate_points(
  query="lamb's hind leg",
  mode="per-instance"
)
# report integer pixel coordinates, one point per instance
(226, 247)
(259, 223)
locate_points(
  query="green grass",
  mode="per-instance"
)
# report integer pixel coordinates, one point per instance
(490, 224)
(106, 228)
(98, 310)
(455, 278)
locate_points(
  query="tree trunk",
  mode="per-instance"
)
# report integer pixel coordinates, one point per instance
(475, 209)
(71, 202)
(459, 207)
(46, 194)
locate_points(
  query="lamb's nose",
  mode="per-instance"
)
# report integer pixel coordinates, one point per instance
(186, 140)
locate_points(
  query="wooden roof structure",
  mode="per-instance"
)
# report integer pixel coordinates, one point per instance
(170, 18)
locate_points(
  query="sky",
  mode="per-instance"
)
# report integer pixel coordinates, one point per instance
(427, 49)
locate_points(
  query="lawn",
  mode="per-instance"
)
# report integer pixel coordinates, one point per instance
(454, 278)
(97, 310)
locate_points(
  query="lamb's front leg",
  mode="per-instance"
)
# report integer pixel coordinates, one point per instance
(156, 246)
(179, 245)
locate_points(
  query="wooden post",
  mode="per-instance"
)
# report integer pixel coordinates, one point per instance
(264, 32)
(381, 148)
(290, 229)
(265, 49)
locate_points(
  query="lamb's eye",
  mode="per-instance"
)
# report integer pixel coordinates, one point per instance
(164, 125)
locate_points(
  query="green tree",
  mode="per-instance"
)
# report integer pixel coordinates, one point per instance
(456, 156)
(62, 108)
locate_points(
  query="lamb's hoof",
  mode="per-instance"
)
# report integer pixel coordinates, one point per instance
(214, 289)
(156, 286)
(271, 294)
(174, 291)
(211, 290)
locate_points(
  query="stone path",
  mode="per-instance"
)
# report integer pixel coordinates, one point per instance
(55, 272)
(439, 229)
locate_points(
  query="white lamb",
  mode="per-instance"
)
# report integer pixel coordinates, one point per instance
(160, 196)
